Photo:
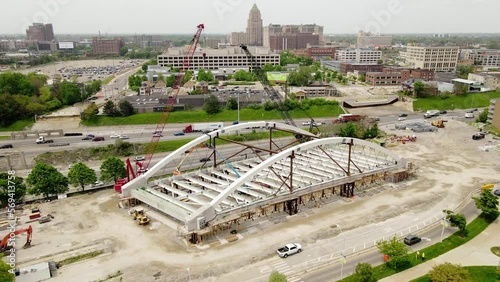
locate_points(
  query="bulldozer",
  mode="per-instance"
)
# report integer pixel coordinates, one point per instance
(143, 220)
(438, 123)
(140, 216)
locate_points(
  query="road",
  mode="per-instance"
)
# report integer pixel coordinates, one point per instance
(319, 262)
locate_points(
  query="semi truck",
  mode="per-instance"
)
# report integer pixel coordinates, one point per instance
(42, 140)
(203, 127)
(347, 118)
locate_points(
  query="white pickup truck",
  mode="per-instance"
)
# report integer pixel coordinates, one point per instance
(289, 249)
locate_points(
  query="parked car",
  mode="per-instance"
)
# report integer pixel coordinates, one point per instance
(403, 115)
(411, 240)
(497, 192)
(443, 112)
(289, 249)
(478, 136)
(204, 160)
(124, 137)
(6, 146)
(114, 136)
(401, 118)
(98, 138)
(98, 183)
(178, 133)
(139, 158)
(306, 123)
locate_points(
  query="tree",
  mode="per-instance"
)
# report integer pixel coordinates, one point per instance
(349, 130)
(456, 220)
(232, 104)
(112, 169)
(364, 273)
(277, 277)
(90, 112)
(447, 272)
(46, 180)
(6, 274)
(463, 71)
(123, 51)
(212, 105)
(16, 83)
(81, 175)
(16, 185)
(126, 108)
(301, 77)
(483, 116)
(110, 109)
(171, 79)
(205, 75)
(488, 204)
(10, 110)
(419, 89)
(70, 93)
(397, 252)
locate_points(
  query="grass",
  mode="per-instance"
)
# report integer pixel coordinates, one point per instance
(107, 79)
(471, 100)
(201, 116)
(4, 137)
(19, 125)
(473, 229)
(477, 274)
(79, 258)
(496, 251)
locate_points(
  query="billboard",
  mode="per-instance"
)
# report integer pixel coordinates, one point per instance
(277, 76)
(66, 45)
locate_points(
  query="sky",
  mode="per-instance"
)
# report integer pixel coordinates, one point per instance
(225, 16)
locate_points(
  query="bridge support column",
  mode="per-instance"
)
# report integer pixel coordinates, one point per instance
(292, 206)
(347, 190)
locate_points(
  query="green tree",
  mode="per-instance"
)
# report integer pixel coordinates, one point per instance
(10, 110)
(90, 112)
(212, 105)
(70, 93)
(456, 220)
(187, 76)
(419, 89)
(447, 272)
(37, 81)
(92, 88)
(123, 51)
(488, 204)
(232, 104)
(483, 116)
(349, 130)
(16, 185)
(6, 274)
(126, 108)
(15, 83)
(463, 71)
(363, 273)
(171, 79)
(205, 75)
(277, 277)
(397, 252)
(46, 180)
(112, 169)
(301, 77)
(81, 175)
(371, 132)
(110, 109)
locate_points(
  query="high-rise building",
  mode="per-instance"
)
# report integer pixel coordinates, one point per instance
(104, 46)
(253, 34)
(364, 56)
(40, 32)
(284, 30)
(292, 41)
(485, 57)
(440, 58)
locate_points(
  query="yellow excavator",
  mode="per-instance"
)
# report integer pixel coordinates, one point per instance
(438, 123)
(140, 216)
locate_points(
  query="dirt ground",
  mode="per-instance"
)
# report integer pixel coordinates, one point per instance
(449, 164)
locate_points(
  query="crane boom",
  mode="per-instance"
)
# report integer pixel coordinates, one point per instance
(171, 99)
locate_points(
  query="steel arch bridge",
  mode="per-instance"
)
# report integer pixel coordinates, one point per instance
(276, 177)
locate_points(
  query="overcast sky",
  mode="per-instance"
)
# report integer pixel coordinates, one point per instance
(225, 16)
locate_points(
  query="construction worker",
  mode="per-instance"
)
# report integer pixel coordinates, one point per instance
(418, 254)
(423, 256)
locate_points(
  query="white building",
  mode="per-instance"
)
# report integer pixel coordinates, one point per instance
(367, 56)
(443, 58)
(485, 57)
(491, 81)
(367, 40)
(213, 59)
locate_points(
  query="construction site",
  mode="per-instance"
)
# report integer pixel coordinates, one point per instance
(189, 219)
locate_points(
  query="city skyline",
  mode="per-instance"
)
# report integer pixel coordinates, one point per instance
(226, 16)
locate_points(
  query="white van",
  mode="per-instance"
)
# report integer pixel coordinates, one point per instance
(469, 115)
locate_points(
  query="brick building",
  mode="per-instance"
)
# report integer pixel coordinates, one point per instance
(40, 32)
(104, 46)
(315, 53)
(394, 76)
(292, 41)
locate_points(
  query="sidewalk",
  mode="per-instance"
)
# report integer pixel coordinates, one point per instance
(475, 252)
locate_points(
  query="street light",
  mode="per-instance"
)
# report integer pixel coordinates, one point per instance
(342, 254)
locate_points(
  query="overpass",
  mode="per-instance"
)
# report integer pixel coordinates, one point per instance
(273, 178)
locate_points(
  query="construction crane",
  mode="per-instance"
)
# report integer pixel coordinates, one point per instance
(273, 94)
(4, 245)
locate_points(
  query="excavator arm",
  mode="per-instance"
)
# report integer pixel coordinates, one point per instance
(4, 244)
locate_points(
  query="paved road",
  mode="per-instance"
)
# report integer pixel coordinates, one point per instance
(324, 255)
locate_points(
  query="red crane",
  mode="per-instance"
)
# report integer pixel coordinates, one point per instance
(158, 133)
(4, 246)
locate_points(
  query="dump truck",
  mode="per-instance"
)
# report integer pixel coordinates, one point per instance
(347, 118)
(438, 123)
(42, 140)
(203, 127)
